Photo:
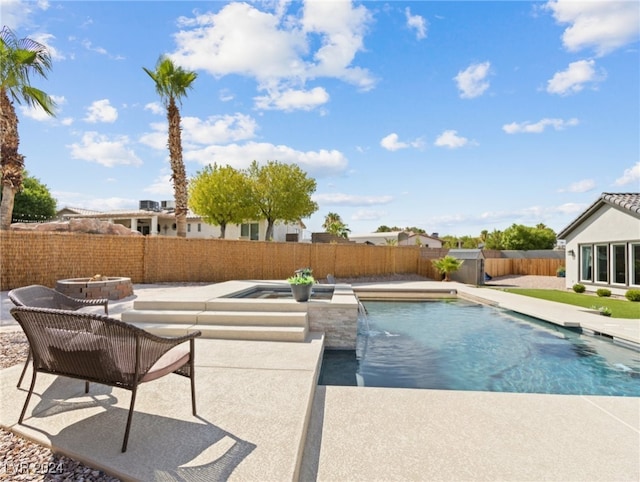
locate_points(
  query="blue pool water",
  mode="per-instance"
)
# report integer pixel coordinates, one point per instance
(457, 345)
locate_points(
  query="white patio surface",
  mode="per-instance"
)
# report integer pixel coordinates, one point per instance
(262, 417)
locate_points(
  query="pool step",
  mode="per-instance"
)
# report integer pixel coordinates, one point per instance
(238, 324)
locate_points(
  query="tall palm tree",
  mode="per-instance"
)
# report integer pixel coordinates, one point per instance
(172, 83)
(19, 58)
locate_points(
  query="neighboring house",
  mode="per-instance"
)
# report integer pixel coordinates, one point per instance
(603, 244)
(399, 238)
(155, 218)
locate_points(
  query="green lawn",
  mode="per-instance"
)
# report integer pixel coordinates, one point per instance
(619, 308)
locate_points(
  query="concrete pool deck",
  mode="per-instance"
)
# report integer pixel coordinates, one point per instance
(262, 417)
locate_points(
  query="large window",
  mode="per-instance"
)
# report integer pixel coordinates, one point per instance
(249, 231)
(634, 263)
(586, 263)
(602, 263)
(619, 263)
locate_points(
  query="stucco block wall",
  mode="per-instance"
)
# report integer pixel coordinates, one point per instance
(607, 224)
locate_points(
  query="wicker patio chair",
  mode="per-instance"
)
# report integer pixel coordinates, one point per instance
(43, 297)
(99, 349)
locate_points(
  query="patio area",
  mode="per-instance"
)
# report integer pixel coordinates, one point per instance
(262, 417)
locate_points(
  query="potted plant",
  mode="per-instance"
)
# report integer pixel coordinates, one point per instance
(561, 272)
(301, 283)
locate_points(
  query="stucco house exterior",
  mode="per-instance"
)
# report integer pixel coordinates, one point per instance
(400, 238)
(603, 244)
(158, 219)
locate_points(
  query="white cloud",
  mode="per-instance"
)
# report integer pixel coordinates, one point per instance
(417, 23)
(573, 79)
(629, 176)
(101, 111)
(341, 199)
(293, 99)
(602, 25)
(472, 81)
(197, 132)
(451, 139)
(16, 13)
(539, 127)
(316, 163)
(155, 108)
(281, 52)
(368, 215)
(161, 186)
(392, 143)
(102, 150)
(584, 185)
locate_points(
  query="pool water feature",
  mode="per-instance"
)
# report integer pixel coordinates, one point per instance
(459, 345)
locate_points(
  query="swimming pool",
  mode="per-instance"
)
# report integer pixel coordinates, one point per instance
(459, 345)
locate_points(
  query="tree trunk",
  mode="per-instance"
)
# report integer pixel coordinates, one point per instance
(268, 236)
(178, 175)
(11, 162)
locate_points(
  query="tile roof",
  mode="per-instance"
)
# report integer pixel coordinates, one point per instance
(627, 201)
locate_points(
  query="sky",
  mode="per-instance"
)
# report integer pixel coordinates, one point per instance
(453, 117)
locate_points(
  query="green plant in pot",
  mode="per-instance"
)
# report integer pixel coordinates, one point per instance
(301, 283)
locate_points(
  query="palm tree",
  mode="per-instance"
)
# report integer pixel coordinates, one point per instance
(447, 265)
(330, 219)
(172, 83)
(19, 58)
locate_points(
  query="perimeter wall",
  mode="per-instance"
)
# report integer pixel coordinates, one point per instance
(43, 258)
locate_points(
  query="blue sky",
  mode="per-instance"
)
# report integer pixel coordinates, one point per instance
(450, 116)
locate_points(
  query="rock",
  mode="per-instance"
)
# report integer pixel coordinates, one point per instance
(78, 225)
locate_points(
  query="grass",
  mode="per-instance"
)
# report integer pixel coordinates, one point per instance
(619, 308)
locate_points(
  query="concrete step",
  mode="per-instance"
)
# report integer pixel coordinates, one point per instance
(252, 318)
(216, 317)
(228, 332)
(221, 304)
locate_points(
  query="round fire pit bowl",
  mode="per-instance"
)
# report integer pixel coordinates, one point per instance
(112, 288)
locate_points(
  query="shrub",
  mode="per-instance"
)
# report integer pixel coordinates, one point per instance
(633, 295)
(578, 288)
(603, 292)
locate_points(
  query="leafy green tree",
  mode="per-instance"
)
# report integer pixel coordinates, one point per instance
(172, 83)
(34, 202)
(447, 265)
(493, 240)
(221, 195)
(383, 229)
(518, 236)
(331, 218)
(281, 192)
(19, 59)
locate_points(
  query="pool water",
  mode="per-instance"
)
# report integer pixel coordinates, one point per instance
(458, 345)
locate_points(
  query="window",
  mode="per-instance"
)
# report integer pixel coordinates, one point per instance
(586, 263)
(189, 228)
(619, 263)
(602, 263)
(249, 231)
(199, 227)
(634, 263)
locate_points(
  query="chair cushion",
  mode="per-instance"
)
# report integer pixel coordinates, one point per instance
(169, 362)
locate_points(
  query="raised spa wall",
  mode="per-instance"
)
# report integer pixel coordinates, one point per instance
(337, 318)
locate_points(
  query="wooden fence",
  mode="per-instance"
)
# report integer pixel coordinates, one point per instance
(42, 258)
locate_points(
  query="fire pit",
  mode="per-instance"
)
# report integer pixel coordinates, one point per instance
(112, 288)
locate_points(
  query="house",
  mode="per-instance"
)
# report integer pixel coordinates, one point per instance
(603, 244)
(398, 238)
(153, 218)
